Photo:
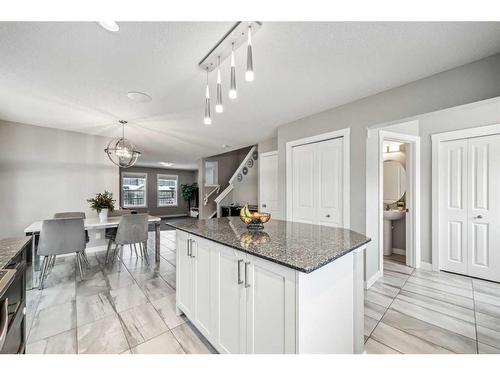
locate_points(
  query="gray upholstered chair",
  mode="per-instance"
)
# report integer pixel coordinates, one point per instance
(133, 231)
(61, 236)
(110, 233)
(81, 215)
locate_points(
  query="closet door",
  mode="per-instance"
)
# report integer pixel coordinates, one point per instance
(304, 184)
(453, 206)
(484, 207)
(268, 164)
(330, 184)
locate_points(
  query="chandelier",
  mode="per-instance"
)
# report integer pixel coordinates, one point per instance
(121, 151)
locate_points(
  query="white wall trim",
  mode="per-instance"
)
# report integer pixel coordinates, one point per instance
(262, 154)
(372, 280)
(426, 266)
(345, 133)
(374, 191)
(395, 250)
(436, 139)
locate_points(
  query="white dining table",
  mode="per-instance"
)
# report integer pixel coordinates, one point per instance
(90, 224)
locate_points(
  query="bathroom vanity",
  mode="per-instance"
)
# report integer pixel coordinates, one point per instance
(291, 288)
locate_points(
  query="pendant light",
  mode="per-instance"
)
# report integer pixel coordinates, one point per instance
(207, 120)
(121, 151)
(233, 94)
(249, 76)
(219, 108)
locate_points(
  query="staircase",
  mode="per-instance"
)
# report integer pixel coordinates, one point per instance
(220, 198)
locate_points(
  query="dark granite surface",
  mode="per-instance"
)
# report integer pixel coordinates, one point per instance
(303, 247)
(10, 247)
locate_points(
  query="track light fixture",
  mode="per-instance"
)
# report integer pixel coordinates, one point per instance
(219, 108)
(207, 120)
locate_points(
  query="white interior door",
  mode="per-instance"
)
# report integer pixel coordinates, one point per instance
(469, 208)
(318, 185)
(268, 182)
(484, 207)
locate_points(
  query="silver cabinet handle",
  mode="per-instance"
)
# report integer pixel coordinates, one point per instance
(239, 271)
(479, 217)
(247, 285)
(189, 248)
(192, 242)
(4, 321)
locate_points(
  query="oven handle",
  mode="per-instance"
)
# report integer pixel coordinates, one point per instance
(4, 321)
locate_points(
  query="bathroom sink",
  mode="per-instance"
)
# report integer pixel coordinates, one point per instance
(393, 214)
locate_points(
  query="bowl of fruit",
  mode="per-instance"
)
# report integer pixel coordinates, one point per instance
(254, 220)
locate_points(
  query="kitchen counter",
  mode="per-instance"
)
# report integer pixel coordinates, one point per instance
(302, 247)
(10, 248)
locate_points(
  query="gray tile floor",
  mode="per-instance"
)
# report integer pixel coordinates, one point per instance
(125, 307)
(129, 307)
(417, 311)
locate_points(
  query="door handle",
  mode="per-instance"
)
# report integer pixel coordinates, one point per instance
(239, 271)
(479, 217)
(264, 206)
(247, 285)
(327, 215)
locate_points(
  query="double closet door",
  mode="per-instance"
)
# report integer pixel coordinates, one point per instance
(317, 183)
(469, 173)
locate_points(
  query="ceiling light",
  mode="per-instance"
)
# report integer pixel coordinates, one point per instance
(219, 108)
(207, 120)
(109, 25)
(233, 94)
(249, 76)
(121, 151)
(166, 164)
(139, 97)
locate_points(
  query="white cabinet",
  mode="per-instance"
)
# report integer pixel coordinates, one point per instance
(245, 304)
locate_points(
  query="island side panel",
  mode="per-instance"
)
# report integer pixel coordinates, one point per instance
(325, 308)
(359, 299)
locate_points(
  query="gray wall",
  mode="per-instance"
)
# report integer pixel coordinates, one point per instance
(185, 177)
(43, 171)
(268, 145)
(467, 84)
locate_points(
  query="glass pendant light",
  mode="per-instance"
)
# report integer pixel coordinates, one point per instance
(249, 76)
(233, 94)
(121, 151)
(219, 108)
(207, 120)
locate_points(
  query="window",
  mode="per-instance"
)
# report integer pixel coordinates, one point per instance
(134, 189)
(167, 190)
(211, 172)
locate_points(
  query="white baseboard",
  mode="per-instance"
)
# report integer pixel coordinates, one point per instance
(395, 250)
(372, 280)
(426, 266)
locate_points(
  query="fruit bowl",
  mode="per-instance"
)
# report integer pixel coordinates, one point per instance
(254, 220)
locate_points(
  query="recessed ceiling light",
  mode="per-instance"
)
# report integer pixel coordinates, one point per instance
(166, 164)
(226, 146)
(109, 25)
(139, 97)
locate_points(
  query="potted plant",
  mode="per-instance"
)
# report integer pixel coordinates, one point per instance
(102, 203)
(189, 192)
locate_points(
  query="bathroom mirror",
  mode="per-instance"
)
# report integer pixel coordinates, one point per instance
(394, 181)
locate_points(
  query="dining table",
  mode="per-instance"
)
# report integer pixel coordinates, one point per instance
(90, 224)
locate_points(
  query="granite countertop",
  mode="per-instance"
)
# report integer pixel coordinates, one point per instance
(10, 247)
(303, 247)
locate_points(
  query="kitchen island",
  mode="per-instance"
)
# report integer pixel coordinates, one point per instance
(290, 288)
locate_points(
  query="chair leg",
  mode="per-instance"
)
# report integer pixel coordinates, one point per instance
(107, 251)
(146, 257)
(53, 261)
(85, 259)
(79, 263)
(135, 249)
(43, 270)
(115, 253)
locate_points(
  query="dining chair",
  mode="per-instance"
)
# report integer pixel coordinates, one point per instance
(81, 215)
(110, 233)
(133, 231)
(61, 236)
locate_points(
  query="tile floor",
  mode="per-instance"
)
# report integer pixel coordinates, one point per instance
(417, 311)
(125, 307)
(129, 307)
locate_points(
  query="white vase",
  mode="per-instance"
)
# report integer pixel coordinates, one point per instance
(103, 215)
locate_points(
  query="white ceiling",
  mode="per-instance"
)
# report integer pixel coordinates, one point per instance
(76, 76)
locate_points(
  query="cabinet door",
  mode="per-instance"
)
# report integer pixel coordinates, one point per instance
(230, 300)
(270, 301)
(184, 273)
(203, 286)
